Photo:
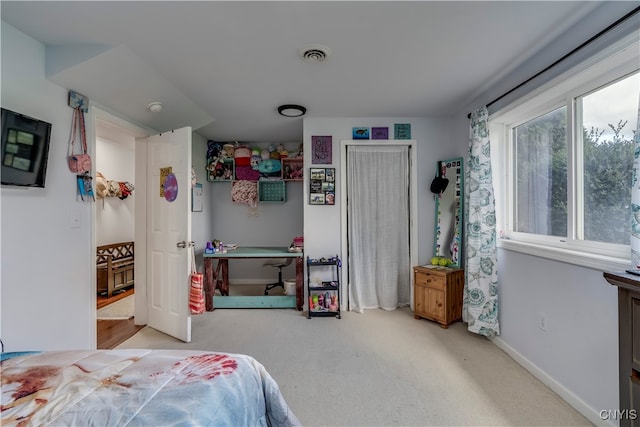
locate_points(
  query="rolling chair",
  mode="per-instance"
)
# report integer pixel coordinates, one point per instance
(278, 263)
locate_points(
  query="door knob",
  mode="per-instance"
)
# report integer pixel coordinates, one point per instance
(184, 244)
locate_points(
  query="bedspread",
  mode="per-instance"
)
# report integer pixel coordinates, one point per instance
(139, 388)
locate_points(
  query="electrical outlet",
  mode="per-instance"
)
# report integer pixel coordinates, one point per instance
(542, 321)
(75, 221)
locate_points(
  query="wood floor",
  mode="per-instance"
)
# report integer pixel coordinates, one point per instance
(113, 332)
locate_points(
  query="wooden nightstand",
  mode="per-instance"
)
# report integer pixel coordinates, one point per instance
(437, 294)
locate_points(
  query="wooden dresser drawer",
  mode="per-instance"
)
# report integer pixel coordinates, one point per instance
(635, 333)
(433, 281)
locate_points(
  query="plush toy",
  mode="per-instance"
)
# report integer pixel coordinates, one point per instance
(255, 157)
(282, 151)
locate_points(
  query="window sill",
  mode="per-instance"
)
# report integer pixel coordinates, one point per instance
(584, 259)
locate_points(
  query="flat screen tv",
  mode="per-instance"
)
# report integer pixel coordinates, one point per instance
(25, 149)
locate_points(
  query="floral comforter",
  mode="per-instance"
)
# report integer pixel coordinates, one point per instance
(139, 388)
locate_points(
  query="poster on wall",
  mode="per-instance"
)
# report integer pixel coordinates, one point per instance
(322, 186)
(402, 131)
(164, 173)
(196, 199)
(321, 147)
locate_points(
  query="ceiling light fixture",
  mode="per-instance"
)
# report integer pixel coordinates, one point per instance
(155, 107)
(291, 110)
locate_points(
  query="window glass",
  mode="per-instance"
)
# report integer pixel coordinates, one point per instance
(540, 147)
(609, 121)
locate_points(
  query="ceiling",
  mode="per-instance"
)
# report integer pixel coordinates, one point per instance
(223, 68)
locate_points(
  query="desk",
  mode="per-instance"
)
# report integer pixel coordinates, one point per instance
(219, 279)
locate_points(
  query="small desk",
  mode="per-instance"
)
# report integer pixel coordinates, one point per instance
(219, 279)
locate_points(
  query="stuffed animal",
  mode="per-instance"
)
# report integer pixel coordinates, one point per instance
(255, 157)
(282, 151)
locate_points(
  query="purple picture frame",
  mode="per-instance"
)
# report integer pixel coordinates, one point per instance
(321, 150)
(380, 133)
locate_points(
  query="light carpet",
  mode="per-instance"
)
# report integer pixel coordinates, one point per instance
(378, 368)
(120, 310)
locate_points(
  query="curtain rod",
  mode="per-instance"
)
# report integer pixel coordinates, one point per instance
(600, 34)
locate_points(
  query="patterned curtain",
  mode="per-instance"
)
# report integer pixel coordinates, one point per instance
(480, 303)
(635, 200)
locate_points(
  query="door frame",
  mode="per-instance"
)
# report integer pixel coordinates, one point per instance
(99, 113)
(413, 206)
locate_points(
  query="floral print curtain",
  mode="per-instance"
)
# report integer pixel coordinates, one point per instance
(480, 303)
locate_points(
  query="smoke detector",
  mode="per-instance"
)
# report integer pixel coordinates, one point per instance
(315, 53)
(155, 107)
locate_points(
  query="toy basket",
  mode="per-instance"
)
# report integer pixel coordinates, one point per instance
(272, 191)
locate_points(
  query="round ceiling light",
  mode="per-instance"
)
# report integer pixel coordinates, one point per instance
(291, 110)
(315, 53)
(155, 107)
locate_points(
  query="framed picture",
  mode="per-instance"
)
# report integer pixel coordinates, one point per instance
(360, 133)
(317, 173)
(316, 199)
(402, 131)
(322, 186)
(196, 198)
(379, 133)
(321, 147)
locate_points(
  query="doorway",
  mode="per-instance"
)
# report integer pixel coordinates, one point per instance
(114, 223)
(379, 243)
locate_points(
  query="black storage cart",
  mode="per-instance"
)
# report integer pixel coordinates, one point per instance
(324, 298)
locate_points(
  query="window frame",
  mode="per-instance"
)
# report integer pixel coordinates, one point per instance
(603, 69)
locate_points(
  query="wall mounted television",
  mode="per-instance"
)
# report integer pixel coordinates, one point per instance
(25, 149)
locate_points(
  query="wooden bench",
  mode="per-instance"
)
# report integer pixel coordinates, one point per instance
(114, 267)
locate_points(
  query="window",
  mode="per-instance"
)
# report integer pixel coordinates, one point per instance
(567, 156)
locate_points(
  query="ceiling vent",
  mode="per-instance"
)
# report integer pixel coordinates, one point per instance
(315, 53)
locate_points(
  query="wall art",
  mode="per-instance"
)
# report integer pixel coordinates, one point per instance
(379, 133)
(402, 131)
(360, 133)
(196, 198)
(322, 186)
(321, 147)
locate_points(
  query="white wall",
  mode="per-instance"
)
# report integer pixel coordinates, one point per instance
(115, 158)
(322, 226)
(48, 294)
(201, 222)
(578, 354)
(270, 224)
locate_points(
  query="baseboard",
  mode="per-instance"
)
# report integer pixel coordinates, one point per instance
(566, 394)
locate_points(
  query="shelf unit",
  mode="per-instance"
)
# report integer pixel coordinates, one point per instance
(328, 289)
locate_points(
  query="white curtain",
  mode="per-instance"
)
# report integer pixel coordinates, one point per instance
(378, 227)
(480, 302)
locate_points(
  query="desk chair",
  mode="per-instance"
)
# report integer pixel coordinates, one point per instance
(278, 263)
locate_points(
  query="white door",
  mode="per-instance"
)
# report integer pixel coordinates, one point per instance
(168, 224)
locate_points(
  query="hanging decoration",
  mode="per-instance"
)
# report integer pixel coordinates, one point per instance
(80, 162)
(170, 187)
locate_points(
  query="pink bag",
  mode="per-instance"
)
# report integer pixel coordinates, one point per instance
(79, 163)
(196, 290)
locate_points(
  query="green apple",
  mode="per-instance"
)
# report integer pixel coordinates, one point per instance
(435, 260)
(444, 262)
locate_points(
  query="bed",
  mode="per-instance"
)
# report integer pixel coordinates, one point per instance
(139, 388)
